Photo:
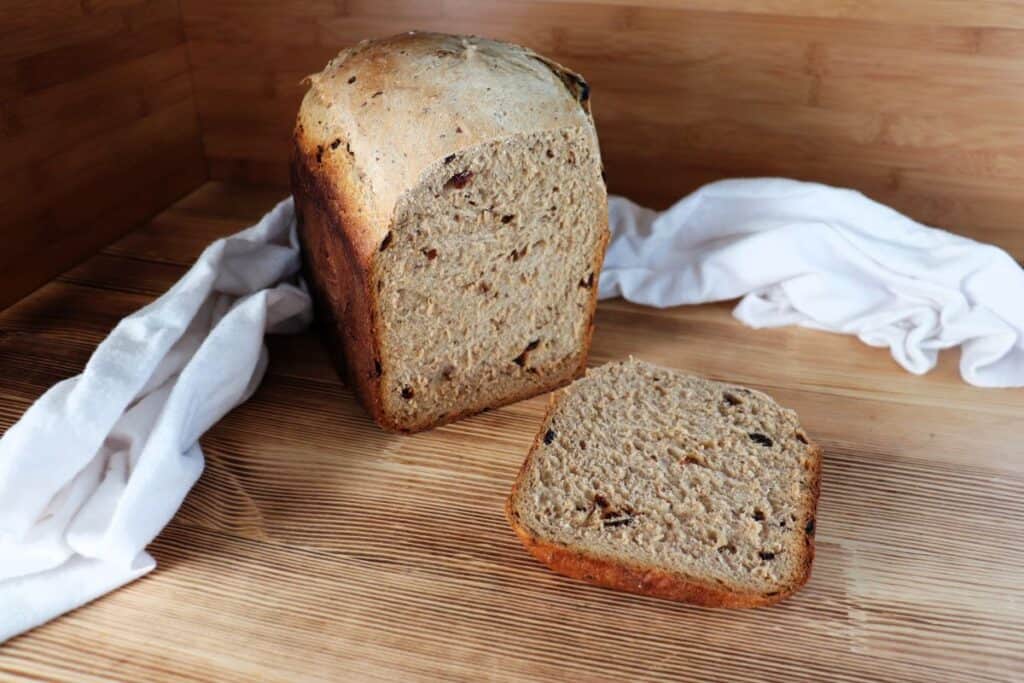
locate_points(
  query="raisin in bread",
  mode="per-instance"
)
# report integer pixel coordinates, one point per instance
(454, 219)
(647, 480)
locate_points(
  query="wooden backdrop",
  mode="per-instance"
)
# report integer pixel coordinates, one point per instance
(98, 129)
(919, 103)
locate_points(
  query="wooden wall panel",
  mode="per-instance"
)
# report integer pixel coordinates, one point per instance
(919, 103)
(98, 129)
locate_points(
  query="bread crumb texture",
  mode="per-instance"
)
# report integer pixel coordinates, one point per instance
(485, 284)
(710, 483)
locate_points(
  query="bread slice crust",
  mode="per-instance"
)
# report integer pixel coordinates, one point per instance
(616, 574)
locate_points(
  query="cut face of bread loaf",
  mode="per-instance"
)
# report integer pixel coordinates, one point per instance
(647, 480)
(454, 219)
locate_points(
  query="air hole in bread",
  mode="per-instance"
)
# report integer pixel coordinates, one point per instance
(386, 242)
(766, 555)
(731, 399)
(408, 393)
(761, 439)
(520, 360)
(758, 515)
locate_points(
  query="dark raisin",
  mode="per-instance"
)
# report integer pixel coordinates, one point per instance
(351, 80)
(731, 399)
(484, 287)
(764, 555)
(550, 154)
(759, 438)
(448, 372)
(337, 141)
(809, 529)
(583, 445)
(460, 180)
(588, 283)
(408, 393)
(520, 360)
(758, 516)
(458, 129)
(386, 242)
(549, 436)
(507, 218)
(431, 254)
(449, 159)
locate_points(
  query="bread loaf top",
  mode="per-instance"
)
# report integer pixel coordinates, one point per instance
(385, 111)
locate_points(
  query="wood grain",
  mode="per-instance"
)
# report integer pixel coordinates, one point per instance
(316, 547)
(98, 129)
(921, 106)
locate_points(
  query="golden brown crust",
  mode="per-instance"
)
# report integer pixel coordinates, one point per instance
(650, 581)
(339, 281)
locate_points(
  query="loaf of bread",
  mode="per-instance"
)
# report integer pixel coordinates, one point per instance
(647, 480)
(453, 218)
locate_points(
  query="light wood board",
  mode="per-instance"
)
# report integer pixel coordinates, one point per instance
(316, 547)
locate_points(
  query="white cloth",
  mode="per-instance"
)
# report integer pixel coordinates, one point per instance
(830, 259)
(101, 462)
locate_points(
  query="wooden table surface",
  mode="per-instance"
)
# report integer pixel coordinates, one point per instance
(316, 547)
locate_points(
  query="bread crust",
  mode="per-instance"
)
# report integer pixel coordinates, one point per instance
(651, 581)
(347, 180)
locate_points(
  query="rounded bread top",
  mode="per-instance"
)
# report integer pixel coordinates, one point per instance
(388, 109)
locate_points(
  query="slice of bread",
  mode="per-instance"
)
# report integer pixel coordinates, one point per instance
(647, 480)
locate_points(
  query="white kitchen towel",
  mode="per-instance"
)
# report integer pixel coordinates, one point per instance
(99, 464)
(827, 258)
